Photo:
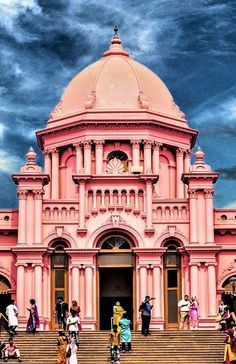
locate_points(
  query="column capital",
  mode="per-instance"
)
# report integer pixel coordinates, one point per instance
(209, 192)
(157, 145)
(34, 265)
(192, 193)
(148, 144)
(22, 194)
(54, 151)
(47, 153)
(194, 264)
(180, 152)
(77, 145)
(23, 265)
(211, 264)
(135, 143)
(87, 144)
(188, 153)
(142, 266)
(99, 143)
(38, 194)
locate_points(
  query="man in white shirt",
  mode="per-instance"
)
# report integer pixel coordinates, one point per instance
(184, 307)
(12, 313)
(73, 326)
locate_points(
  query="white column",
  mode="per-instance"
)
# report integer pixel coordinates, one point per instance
(48, 170)
(157, 291)
(99, 156)
(194, 279)
(55, 174)
(87, 156)
(179, 172)
(211, 289)
(193, 215)
(38, 195)
(20, 289)
(79, 158)
(38, 287)
(22, 196)
(88, 292)
(136, 152)
(143, 282)
(75, 283)
(209, 215)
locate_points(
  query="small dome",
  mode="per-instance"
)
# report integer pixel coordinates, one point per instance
(116, 83)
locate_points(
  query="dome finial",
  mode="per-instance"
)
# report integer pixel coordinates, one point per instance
(116, 32)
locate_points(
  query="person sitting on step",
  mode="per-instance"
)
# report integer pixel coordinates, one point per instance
(11, 351)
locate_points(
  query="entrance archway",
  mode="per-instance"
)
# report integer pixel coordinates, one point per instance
(229, 295)
(172, 284)
(59, 276)
(5, 296)
(115, 277)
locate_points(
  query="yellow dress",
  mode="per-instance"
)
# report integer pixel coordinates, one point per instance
(62, 345)
(229, 355)
(117, 314)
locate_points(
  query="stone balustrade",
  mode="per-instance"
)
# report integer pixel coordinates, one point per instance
(167, 211)
(60, 212)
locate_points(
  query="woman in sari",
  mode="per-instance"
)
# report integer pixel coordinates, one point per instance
(118, 312)
(75, 307)
(33, 321)
(72, 349)
(194, 314)
(230, 348)
(62, 343)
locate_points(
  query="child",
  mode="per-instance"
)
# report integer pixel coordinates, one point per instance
(115, 345)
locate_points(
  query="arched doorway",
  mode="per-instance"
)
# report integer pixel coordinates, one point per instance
(59, 276)
(229, 295)
(115, 277)
(5, 296)
(172, 284)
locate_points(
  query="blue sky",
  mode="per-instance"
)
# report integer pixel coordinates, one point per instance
(190, 44)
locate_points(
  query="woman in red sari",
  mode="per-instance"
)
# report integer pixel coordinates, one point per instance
(75, 307)
(33, 321)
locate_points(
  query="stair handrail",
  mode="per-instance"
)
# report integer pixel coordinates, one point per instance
(3, 322)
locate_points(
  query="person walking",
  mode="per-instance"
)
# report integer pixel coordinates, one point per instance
(71, 352)
(33, 321)
(75, 307)
(61, 312)
(62, 342)
(118, 312)
(184, 307)
(72, 325)
(125, 334)
(145, 309)
(194, 313)
(115, 344)
(12, 315)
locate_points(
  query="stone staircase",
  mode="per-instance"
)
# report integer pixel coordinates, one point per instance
(185, 347)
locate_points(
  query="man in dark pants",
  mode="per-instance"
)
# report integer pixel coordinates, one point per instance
(61, 312)
(145, 309)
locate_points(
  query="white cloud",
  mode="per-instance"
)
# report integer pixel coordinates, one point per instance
(2, 128)
(9, 162)
(230, 205)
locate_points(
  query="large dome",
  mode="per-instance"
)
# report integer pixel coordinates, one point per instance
(116, 83)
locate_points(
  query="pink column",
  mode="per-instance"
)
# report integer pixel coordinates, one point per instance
(156, 163)
(194, 279)
(187, 163)
(22, 196)
(136, 152)
(143, 282)
(79, 158)
(75, 283)
(147, 156)
(209, 215)
(38, 195)
(211, 290)
(38, 287)
(179, 172)
(157, 291)
(87, 156)
(99, 156)
(48, 170)
(203, 296)
(82, 204)
(149, 203)
(193, 215)
(88, 292)
(55, 174)
(30, 218)
(20, 288)
(45, 312)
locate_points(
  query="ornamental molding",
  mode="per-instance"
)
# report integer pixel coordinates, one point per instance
(56, 113)
(228, 271)
(208, 192)
(115, 166)
(115, 221)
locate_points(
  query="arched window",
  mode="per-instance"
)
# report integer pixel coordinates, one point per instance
(115, 243)
(172, 257)
(117, 162)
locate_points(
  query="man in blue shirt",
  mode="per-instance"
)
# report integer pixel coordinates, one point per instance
(145, 309)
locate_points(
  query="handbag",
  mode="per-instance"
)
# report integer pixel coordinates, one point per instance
(218, 317)
(68, 353)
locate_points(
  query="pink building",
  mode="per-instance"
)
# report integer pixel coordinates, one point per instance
(119, 211)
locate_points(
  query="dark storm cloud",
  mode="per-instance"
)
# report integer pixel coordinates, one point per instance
(190, 44)
(228, 173)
